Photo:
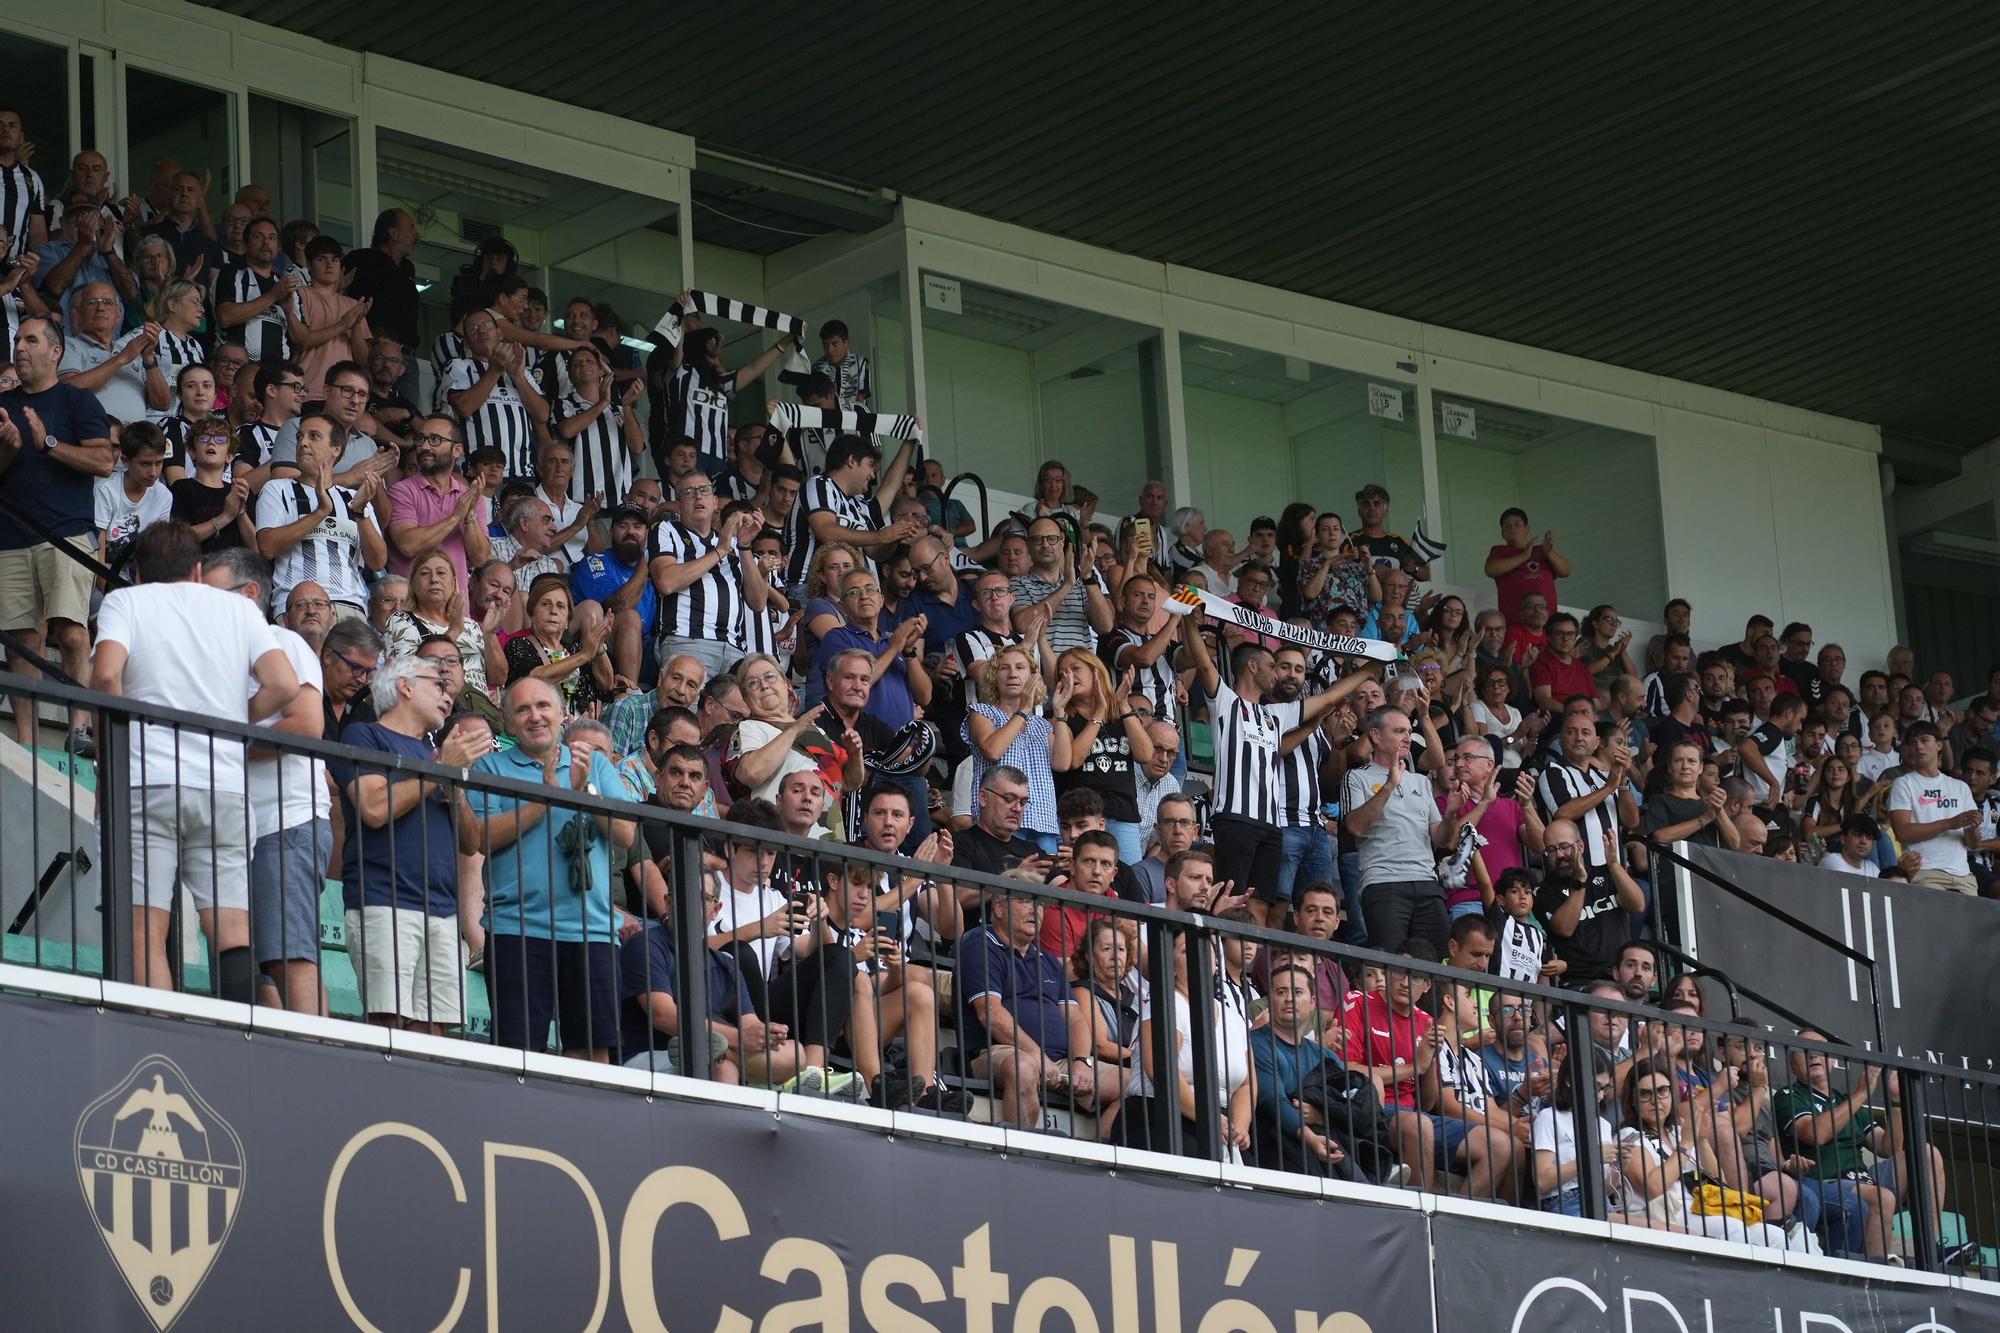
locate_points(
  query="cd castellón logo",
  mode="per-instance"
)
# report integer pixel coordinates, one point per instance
(162, 1174)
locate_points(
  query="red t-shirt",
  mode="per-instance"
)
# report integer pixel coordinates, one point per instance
(1520, 639)
(1377, 1035)
(1532, 575)
(1564, 679)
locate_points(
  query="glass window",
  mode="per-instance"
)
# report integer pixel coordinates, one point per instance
(38, 88)
(171, 124)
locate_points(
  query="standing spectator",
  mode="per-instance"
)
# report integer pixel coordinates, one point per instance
(176, 310)
(1679, 811)
(1307, 848)
(844, 368)
(1676, 659)
(384, 276)
(400, 842)
(356, 452)
(494, 395)
(598, 422)
(174, 641)
(206, 499)
(88, 252)
(1521, 565)
(1586, 906)
(311, 527)
(436, 609)
(1387, 549)
(23, 200)
(1108, 743)
(1248, 842)
(133, 499)
(576, 665)
(1006, 728)
(256, 306)
(54, 441)
(697, 389)
(124, 372)
(194, 394)
(1588, 788)
(1761, 754)
(843, 505)
(1395, 822)
(901, 685)
(185, 224)
(331, 327)
(1156, 781)
(528, 541)
(393, 411)
(1146, 649)
(1603, 647)
(555, 464)
(703, 580)
(1559, 673)
(1506, 818)
(437, 507)
(279, 392)
(1075, 603)
(1934, 814)
(290, 808)
(551, 946)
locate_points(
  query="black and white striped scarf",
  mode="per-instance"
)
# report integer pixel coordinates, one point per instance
(787, 416)
(722, 307)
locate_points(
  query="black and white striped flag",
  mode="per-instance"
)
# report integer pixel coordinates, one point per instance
(722, 307)
(787, 416)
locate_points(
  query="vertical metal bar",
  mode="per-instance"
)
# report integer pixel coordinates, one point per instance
(1584, 1110)
(690, 949)
(1204, 977)
(1160, 957)
(1907, 1099)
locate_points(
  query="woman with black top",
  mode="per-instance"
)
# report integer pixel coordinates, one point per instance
(1108, 743)
(1295, 539)
(578, 666)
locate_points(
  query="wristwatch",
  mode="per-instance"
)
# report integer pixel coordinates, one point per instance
(49, 444)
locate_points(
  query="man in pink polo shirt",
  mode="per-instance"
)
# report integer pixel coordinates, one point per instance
(435, 506)
(1510, 826)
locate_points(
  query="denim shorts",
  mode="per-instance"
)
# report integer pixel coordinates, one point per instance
(287, 873)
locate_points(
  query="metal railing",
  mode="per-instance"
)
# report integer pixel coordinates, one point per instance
(746, 954)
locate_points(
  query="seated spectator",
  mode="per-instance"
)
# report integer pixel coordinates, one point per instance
(615, 585)
(437, 607)
(194, 400)
(1655, 1159)
(1390, 1039)
(576, 665)
(555, 468)
(1559, 673)
(1603, 648)
(771, 743)
(124, 372)
(310, 525)
(1475, 1131)
(1554, 1143)
(1527, 637)
(1294, 1131)
(402, 836)
(134, 498)
(174, 641)
(992, 844)
(551, 943)
(1316, 914)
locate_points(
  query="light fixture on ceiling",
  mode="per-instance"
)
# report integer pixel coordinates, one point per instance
(465, 178)
(1956, 546)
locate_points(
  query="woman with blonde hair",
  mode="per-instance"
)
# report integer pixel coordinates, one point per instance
(1107, 744)
(177, 308)
(1006, 726)
(437, 606)
(822, 615)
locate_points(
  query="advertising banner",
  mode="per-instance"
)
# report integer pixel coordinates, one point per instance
(1487, 1283)
(1933, 952)
(164, 1174)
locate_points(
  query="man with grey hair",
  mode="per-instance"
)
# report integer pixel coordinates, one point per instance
(349, 654)
(399, 854)
(386, 596)
(290, 811)
(994, 845)
(551, 942)
(1397, 826)
(529, 546)
(124, 372)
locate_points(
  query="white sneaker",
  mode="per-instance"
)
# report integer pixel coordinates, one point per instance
(1399, 1176)
(808, 1082)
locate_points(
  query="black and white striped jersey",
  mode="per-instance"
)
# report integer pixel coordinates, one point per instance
(21, 199)
(330, 555)
(823, 494)
(1560, 784)
(603, 463)
(1156, 682)
(446, 348)
(978, 644)
(1299, 797)
(760, 629)
(501, 421)
(1246, 754)
(253, 442)
(177, 351)
(266, 339)
(700, 411)
(711, 607)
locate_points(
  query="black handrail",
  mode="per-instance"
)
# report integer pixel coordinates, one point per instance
(1810, 931)
(985, 523)
(62, 544)
(1695, 967)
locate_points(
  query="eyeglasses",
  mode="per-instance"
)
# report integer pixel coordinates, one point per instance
(98, 300)
(1657, 1090)
(1046, 541)
(348, 390)
(313, 604)
(438, 681)
(862, 592)
(296, 386)
(441, 658)
(689, 492)
(432, 437)
(358, 668)
(1170, 823)
(993, 594)
(1004, 798)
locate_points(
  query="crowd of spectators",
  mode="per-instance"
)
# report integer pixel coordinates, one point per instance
(575, 566)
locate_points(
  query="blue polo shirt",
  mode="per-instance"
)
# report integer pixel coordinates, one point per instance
(889, 702)
(528, 888)
(944, 622)
(646, 963)
(597, 577)
(413, 861)
(1032, 987)
(56, 493)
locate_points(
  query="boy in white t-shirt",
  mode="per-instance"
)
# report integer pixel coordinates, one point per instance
(1881, 754)
(1856, 853)
(134, 498)
(1933, 814)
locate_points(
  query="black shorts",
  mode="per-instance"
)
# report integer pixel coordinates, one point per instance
(532, 982)
(1250, 854)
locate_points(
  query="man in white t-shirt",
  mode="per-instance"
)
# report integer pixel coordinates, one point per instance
(290, 809)
(1933, 813)
(176, 642)
(1855, 853)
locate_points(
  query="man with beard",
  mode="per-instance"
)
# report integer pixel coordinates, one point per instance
(616, 582)
(1585, 905)
(437, 506)
(1302, 763)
